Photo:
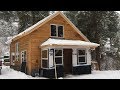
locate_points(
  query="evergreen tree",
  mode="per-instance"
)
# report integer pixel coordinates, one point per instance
(96, 25)
(28, 18)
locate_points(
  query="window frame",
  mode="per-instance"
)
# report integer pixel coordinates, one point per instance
(57, 25)
(81, 56)
(58, 56)
(17, 56)
(23, 55)
(45, 59)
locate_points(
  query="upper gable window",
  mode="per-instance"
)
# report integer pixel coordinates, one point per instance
(57, 30)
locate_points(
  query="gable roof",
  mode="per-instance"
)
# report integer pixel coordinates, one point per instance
(45, 20)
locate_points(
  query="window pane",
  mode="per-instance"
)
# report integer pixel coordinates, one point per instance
(81, 52)
(60, 31)
(58, 52)
(44, 63)
(81, 59)
(58, 60)
(44, 54)
(53, 30)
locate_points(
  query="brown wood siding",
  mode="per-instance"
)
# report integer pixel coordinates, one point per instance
(32, 41)
(24, 44)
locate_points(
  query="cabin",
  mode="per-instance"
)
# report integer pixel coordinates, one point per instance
(53, 46)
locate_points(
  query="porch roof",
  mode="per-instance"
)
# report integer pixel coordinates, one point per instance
(62, 42)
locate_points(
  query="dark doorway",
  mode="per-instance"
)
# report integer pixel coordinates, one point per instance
(23, 67)
(67, 59)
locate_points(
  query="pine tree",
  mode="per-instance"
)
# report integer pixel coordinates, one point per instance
(96, 25)
(28, 18)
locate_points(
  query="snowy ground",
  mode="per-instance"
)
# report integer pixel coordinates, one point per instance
(8, 73)
(97, 75)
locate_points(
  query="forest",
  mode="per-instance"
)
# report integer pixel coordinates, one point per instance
(101, 27)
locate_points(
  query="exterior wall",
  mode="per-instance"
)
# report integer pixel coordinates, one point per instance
(77, 70)
(74, 57)
(50, 73)
(16, 65)
(83, 68)
(24, 44)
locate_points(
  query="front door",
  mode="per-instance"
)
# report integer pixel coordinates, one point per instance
(67, 55)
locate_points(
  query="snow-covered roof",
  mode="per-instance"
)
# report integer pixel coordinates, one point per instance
(41, 22)
(62, 42)
(30, 28)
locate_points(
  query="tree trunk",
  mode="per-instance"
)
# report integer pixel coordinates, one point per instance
(98, 56)
(97, 37)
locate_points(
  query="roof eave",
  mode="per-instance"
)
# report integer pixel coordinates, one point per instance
(24, 34)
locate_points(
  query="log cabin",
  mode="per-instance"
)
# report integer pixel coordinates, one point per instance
(52, 46)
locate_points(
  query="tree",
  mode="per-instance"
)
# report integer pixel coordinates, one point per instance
(7, 26)
(28, 18)
(96, 25)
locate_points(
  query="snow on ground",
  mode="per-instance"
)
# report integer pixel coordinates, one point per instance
(97, 75)
(8, 73)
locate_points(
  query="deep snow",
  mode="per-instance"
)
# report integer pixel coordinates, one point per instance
(8, 73)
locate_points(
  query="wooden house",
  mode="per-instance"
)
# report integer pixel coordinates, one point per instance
(52, 42)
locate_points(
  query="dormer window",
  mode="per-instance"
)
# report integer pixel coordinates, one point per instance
(56, 30)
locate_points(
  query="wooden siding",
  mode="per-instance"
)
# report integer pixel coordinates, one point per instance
(24, 44)
(32, 41)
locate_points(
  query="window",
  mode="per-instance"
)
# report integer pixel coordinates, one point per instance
(60, 31)
(44, 58)
(58, 56)
(17, 51)
(82, 57)
(23, 56)
(57, 30)
(53, 30)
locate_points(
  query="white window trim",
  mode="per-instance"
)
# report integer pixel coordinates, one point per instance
(58, 56)
(17, 51)
(23, 55)
(82, 56)
(57, 30)
(44, 58)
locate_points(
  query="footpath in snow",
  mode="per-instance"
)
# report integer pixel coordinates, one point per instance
(8, 73)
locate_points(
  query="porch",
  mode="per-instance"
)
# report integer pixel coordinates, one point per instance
(65, 57)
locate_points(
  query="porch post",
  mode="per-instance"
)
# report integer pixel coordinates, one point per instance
(74, 57)
(88, 56)
(50, 58)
